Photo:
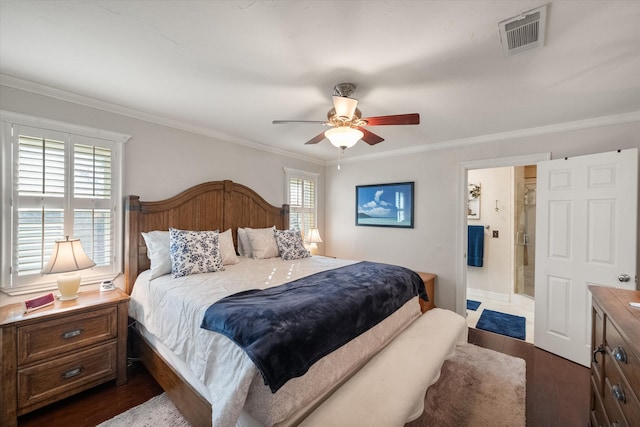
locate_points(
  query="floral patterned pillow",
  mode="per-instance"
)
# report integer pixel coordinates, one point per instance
(290, 245)
(194, 252)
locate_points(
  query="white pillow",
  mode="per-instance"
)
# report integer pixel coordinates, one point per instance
(158, 252)
(227, 250)
(194, 252)
(244, 245)
(263, 242)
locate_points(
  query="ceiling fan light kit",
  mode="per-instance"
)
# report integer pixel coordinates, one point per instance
(347, 124)
(344, 137)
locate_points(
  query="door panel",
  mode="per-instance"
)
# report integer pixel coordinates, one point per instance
(587, 216)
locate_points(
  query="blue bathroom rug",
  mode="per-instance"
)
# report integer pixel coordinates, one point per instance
(473, 305)
(502, 323)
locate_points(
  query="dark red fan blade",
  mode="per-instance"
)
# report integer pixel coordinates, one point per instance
(316, 139)
(370, 137)
(399, 119)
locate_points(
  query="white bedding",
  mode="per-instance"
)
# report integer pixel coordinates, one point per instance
(172, 311)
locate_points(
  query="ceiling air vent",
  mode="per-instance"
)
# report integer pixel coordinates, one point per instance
(523, 32)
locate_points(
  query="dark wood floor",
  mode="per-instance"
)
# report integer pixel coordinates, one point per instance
(557, 390)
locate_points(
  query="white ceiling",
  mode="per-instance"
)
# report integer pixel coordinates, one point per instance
(228, 68)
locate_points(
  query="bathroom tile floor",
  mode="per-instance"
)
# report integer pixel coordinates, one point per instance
(519, 306)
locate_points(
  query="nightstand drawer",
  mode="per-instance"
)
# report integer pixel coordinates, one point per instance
(65, 375)
(54, 337)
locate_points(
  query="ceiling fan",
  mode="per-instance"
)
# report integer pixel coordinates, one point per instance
(347, 124)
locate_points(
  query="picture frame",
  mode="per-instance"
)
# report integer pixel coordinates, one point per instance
(385, 205)
(473, 201)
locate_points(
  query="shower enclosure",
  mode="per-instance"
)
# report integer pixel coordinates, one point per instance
(525, 229)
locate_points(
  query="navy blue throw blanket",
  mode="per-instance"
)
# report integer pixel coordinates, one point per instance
(287, 328)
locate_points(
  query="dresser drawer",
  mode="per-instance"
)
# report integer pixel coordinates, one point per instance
(54, 337)
(48, 381)
(619, 401)
(598, 414)
(617, 346)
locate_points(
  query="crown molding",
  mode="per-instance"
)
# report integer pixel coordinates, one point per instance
(62, 95)
(40, 89)
(633, 116)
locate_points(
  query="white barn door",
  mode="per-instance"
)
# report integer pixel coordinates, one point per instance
(586, 235)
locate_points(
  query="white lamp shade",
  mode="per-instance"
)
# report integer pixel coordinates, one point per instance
(313, 236)
(67, 256)
(343, 136)
(345, 107)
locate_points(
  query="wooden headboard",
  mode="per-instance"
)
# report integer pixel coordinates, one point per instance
(215, 205)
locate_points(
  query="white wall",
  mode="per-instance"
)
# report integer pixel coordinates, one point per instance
(161, 161)
(495, 275)
(432, 245)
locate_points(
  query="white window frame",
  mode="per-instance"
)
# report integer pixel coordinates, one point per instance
(9, 123)
(300, 174)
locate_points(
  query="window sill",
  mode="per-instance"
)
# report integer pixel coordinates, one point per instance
(50, 287)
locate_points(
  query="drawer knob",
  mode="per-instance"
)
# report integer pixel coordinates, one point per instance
(72, 373)
(618, 393)
(619, 354)
(600, 349)
(72, 334)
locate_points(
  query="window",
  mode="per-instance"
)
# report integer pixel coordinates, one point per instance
(59, 180)
(301, 196)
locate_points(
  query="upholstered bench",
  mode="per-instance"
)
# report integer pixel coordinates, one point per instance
(390, 389)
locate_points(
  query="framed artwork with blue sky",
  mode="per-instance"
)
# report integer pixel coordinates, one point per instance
(385, 205)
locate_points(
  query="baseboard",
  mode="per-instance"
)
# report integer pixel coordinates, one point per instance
(480, 293)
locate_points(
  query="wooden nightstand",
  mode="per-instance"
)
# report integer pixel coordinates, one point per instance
(429, 280)
(60, 350)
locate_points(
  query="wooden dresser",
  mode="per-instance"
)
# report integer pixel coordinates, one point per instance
(60, 350)
(615, 367)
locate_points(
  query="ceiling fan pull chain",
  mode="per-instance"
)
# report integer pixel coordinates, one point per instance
(339, 152)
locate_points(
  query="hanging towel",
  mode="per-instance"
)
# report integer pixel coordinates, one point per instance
(475, 245)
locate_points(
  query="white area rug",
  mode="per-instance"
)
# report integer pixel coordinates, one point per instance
(155, 412)
(477, 387)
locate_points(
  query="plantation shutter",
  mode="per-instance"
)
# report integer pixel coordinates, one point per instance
(41, 190)
(63, 185)
(92, 219)
(302, 203)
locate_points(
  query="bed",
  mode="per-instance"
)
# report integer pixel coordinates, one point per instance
(210, 378)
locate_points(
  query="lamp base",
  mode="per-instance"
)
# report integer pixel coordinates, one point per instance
(68, 285)
(313, 249)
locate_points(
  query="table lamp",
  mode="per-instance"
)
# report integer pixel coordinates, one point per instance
(68, 257)
(313, 237)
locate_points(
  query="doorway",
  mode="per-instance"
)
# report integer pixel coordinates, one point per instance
(502, 208)
(501, 198)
